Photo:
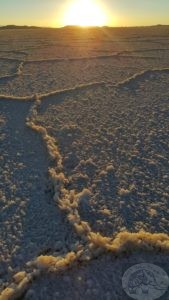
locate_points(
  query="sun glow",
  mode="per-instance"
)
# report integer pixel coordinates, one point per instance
(85, 13)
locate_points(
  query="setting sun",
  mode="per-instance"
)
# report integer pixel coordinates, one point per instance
(85, 13)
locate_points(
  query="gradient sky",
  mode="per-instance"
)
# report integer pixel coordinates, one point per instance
(50, 12)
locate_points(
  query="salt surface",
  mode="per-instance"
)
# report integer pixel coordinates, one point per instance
(84, 159)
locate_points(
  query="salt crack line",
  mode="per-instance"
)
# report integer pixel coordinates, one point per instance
(19, 72)
(10, 59)
(16, 98)
(84, 58)
(20, 68)
(72, 59)
(73, 89)
(140, 76)
(14, 51)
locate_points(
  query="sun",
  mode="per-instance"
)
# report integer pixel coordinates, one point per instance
(85, 13)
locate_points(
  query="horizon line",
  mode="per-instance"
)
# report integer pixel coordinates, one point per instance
(80, 26)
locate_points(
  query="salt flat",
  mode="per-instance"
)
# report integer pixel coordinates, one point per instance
(84, 159)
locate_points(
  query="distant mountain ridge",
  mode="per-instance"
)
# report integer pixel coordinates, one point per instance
(72, 27)
(18, 27)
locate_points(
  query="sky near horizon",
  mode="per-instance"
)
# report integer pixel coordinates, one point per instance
(56, 13)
